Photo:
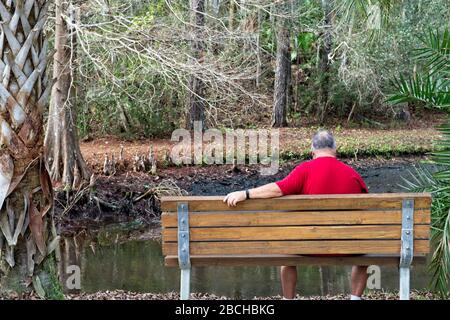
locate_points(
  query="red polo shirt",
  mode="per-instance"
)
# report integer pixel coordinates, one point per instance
(324, 175)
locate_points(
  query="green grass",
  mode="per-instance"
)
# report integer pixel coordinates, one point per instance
(366, 143)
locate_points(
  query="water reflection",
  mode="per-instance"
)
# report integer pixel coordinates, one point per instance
(138, 266)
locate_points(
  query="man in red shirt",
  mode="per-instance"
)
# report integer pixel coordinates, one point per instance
(322, 175)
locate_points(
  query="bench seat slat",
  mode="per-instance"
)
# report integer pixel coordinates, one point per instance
(296, 233)
(297, 247)
(283, 260)
(292, 218)
(301, 202)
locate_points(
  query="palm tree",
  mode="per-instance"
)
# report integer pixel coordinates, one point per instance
(431, 88)
(28, 237)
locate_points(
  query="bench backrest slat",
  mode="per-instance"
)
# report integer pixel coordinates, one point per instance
(293, 218)
(301, 202)
(378, 232)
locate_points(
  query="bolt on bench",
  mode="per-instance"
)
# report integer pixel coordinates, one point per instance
(379, 229)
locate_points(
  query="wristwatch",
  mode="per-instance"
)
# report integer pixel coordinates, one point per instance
(247, 194)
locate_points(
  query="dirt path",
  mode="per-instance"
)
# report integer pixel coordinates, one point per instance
(294, 145)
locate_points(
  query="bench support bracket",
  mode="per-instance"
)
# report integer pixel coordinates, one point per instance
(184, 260)
(407, 247)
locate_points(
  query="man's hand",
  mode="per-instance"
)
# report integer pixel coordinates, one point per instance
(270, 190)
(233, 198)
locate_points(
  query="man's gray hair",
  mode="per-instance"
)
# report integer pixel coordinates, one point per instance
(323, 139)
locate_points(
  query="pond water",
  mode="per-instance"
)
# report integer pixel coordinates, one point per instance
(138, 265)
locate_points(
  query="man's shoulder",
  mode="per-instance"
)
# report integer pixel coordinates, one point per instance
(303, 164)
(301, 167)
(347, 167)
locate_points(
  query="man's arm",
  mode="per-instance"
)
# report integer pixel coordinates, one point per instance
(270, 190)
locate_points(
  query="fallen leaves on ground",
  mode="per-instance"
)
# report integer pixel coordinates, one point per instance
(128, 295)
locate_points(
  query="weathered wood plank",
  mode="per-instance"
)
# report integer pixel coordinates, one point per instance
(288, 260)
(301, 202)
(297, 247)
(296, 233)
(230, 219)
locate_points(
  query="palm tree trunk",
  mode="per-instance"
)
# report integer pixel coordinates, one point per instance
(65, 161)
(28, 237)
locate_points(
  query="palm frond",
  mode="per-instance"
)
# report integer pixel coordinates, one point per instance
(349, 9)
(432, 91)
(435, 51)
(443, 157)
(440, 239)
(420, 180)
(438, 183)
(424, 180)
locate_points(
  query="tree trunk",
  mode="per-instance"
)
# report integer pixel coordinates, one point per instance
(215, 5)
(62, 149)
(282, 74)
(28, 238)
(231, 13)
(258, 48)
(196, 103)
(324, 64)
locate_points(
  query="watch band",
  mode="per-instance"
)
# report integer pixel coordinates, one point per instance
(247, 194)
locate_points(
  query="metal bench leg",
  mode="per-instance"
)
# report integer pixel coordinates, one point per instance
(183, 251)
(404, 283)
(407, 247)
(185, 284)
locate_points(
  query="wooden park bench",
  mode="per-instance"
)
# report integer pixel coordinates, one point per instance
(377, 229)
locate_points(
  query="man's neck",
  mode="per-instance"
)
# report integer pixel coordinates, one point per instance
(324, 155)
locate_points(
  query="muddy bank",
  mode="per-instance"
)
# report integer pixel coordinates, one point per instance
(133, 196)
(127, 295)
(380, 175)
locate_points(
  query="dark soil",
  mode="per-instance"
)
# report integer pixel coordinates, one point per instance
(133, 197)
(379, 174)
(112, 200)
